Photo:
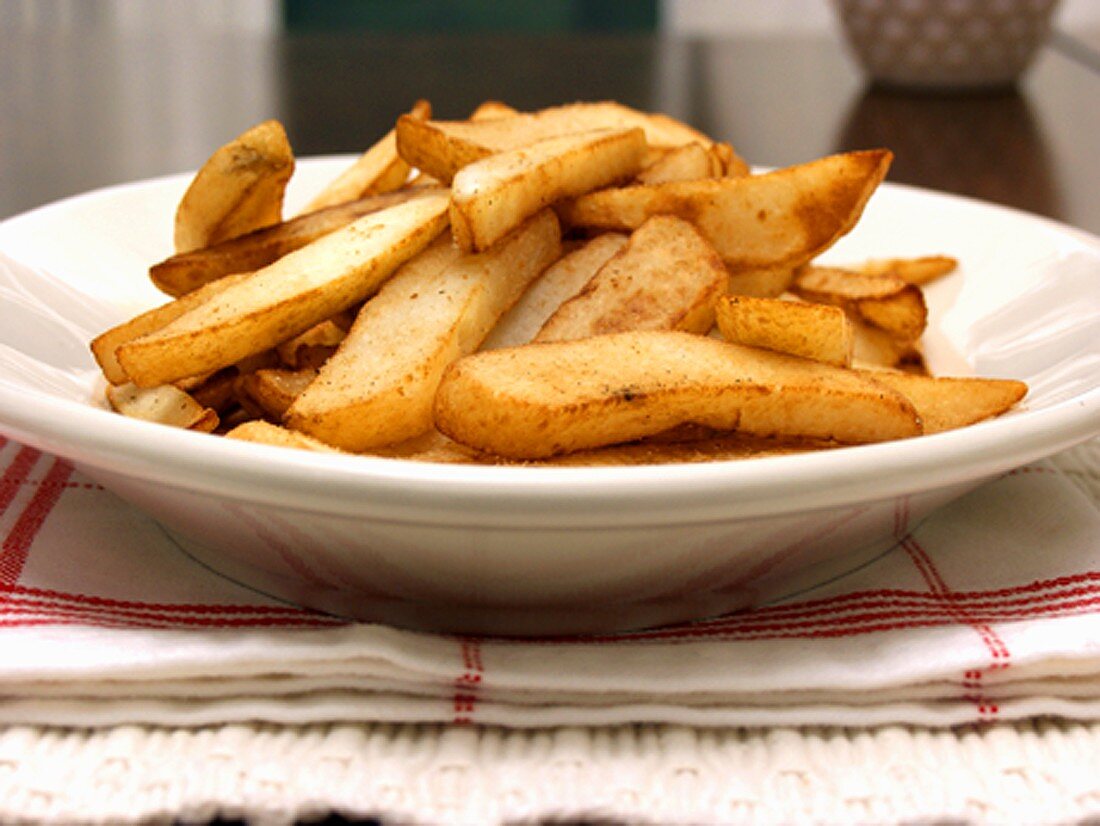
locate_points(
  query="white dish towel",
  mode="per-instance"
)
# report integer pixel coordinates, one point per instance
(990, 610)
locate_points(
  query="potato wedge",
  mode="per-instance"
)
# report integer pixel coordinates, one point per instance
(493, 110)
(441, 148)
(920, 271)
(872, 347)
(379, 169)
(689, 162)
(667, 277)
(312, 347)
(163, 404)
(560, 282)
(779, 219)
(240, 188)
(883, 301)
(948, 402)
(541, 400)
(267, 433)
(813, 331)
(762, 283)
(187, 271)
(379, 386)
(271, 391)
(105, 345)
(289, 296)
(491, 197)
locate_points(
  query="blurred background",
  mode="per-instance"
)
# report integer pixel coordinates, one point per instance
(96, 92)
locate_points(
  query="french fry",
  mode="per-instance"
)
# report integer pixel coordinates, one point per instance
(883, 301)
(441, 148)
(289, 296)
(312, 347)
(775, 220)
(948, 402)
(667, 277)
(560, 282)
(491, 197)
(163, 404)
(271, 391)
(920, 271)
(492, 110)
(267, 433)
(187, 271)
(240, 188)
(813, 331)
(546, 399)
(689, 162)
(379, 169)
(105, 345)
(762, 283)
(875, 348)
(379, 386)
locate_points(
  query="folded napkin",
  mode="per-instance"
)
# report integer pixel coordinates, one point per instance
(988, 610)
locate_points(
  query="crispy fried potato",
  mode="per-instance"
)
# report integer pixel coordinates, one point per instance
(775, 220)
(312, 347)
(491, 197)
(763, 283)
(813, 331)
(560, 282)
(948, 402)
(920, 271)
(667, 277)
(187, 271)
(379, 386)
(875, 348)
(240, 188)
(541, 400)
(441, 148)
(289, 296)
(163, 404)
(689, 162)
(271, 391)
(105, 345)
(883, 301)
(379, 169)
(492, 110)
(266, 433)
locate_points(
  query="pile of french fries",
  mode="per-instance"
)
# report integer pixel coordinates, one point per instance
(585, 284)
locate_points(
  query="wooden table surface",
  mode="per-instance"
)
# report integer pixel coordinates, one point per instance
(83, 106)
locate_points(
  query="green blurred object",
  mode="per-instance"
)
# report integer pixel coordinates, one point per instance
(472, 15)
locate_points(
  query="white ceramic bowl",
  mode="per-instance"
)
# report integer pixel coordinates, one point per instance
(515, 550)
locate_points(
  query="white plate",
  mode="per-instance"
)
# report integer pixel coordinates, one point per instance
(546, 550)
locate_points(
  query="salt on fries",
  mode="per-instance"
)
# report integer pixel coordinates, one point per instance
(586, 284)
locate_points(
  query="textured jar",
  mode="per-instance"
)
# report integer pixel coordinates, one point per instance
(945, 44)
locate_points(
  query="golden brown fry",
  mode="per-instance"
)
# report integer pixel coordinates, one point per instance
(491, 197)
(291, 295)
(325, 337)
(883, 301)
(779, 219)
(441, 148)
(813, 331)
(947, 402)
(379, 169)
(918, 271)
(560, 282)
(541, 400)
(266, 433)
(378, 387)
(689, 162)
(163, 404)
(105, 345)
(187, 271)
(667, 277)
(271, 391)
(240, 188)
